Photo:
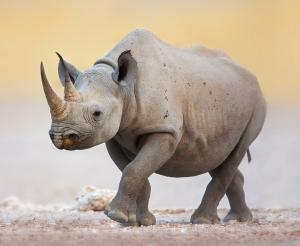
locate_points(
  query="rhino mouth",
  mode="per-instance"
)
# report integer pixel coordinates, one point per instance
(69, 140)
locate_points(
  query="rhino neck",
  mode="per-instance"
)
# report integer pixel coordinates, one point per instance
(129, 112)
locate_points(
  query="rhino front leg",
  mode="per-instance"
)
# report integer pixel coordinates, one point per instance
(155, 151)
(144, 216)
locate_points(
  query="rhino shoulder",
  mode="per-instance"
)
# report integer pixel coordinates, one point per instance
(140, 34)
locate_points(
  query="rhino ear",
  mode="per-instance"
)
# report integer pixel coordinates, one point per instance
(63, 66)
(126, 70)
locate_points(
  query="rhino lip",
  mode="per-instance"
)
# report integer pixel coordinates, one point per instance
(57, 141)
(64, 144)
(68, 144)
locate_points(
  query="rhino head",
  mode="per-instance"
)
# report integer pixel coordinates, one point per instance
(94, 102)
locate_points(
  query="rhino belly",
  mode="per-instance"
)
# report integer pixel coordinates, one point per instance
(195, 156)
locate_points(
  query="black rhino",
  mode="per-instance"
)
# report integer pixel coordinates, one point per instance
(161, 109)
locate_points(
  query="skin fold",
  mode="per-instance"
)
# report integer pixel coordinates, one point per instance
(161, 109)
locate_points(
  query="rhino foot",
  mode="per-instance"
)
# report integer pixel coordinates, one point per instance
(120, 216)
(146, 219)
(242, 216)
(131, 219)
(201, 218)
(122, 212)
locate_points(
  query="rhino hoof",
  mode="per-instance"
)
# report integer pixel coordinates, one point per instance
(117, 215)
(243, 216)
(128, 218)
(146, 219)
(201, 219)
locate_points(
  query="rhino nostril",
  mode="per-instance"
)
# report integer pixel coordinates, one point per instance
(73, 137)
(51, 136)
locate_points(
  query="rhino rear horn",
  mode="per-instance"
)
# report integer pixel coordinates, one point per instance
(71, 93)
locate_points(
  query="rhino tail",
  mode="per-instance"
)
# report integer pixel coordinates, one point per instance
(249, 155)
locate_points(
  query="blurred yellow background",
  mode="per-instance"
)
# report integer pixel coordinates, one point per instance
(263, 36)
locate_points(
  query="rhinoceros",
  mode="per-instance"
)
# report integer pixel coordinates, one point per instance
(178, 112)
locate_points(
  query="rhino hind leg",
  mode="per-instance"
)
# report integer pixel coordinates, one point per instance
(235, 193)
(224, 176)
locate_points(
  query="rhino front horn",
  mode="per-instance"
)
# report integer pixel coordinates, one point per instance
(56, 104)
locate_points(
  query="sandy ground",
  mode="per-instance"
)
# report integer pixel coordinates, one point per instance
(29, 224)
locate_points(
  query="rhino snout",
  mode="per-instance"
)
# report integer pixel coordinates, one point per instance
(66, 140)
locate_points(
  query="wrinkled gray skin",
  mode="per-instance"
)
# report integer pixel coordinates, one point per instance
(161, 109)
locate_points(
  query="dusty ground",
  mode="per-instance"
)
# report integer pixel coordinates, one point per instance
(27, 224)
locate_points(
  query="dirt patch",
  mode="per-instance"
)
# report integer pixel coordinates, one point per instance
(29, 224)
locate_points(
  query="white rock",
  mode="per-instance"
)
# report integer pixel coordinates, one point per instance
(91, 198)
(11, 202)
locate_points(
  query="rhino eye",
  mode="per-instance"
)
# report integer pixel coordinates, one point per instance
(97, 113)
